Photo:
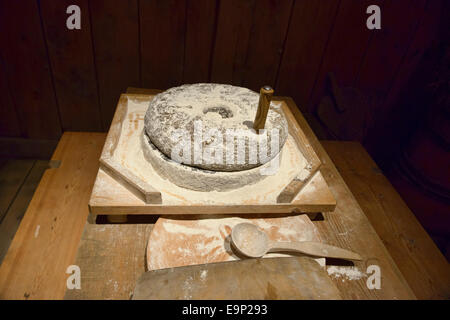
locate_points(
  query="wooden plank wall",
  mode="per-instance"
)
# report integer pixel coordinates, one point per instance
(53, 79)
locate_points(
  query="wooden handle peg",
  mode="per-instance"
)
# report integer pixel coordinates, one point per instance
(265, 96)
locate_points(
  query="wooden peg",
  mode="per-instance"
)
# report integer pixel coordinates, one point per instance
(265, 96)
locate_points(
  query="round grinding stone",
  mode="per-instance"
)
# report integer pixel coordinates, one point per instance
(203, 115)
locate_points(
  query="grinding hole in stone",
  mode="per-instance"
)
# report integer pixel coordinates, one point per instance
(224, 112)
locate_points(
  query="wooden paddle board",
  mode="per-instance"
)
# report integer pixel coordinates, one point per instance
(297, 278)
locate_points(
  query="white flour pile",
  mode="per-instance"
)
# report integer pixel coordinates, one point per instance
(346, 273)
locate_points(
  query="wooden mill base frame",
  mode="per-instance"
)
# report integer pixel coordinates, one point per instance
(120, 191)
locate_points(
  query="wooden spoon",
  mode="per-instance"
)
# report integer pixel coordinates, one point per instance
(253, 242)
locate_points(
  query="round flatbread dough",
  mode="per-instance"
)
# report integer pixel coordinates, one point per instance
(209, 126)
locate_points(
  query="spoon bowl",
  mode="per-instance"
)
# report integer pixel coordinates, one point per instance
(250, 240)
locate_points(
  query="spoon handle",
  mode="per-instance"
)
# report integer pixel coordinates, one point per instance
(317, 249)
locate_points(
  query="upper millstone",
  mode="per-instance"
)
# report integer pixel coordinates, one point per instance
(209, 126)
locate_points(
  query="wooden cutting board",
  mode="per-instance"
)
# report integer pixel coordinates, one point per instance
(184, 242)
(297, 278)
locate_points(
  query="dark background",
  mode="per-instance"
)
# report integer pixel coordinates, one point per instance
(393, 83)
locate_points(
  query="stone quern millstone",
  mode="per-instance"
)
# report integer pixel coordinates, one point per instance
(219, 108)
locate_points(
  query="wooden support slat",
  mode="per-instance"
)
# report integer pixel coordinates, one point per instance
(142, 189)
(137, 186)
(313, 162)
(23, 50)
(115, 31)
(72, 62)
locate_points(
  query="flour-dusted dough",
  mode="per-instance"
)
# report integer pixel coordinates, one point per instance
(200, 240)
(218, 106)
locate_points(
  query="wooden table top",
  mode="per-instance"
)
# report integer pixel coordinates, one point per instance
(54, 234)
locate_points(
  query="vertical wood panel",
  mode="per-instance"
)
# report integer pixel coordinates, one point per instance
(249, 45)
(12, 175)
(232, 40)
(387, 48)
(267, 37)
(346, 47)
(426, 32)
(115, 30)
(9, 123)
(72, 61)
(307, 37)
(25, 60)
(392, 124)
(162, 42)
(200, 29)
